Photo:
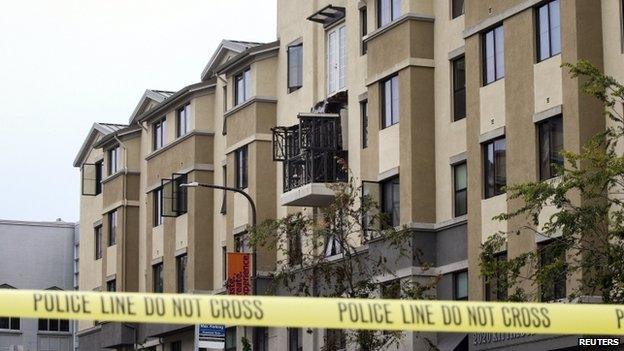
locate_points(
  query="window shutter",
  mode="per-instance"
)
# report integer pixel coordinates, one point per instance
(89, 179)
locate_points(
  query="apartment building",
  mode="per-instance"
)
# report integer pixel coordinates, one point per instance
(37, 256)
(434, 104)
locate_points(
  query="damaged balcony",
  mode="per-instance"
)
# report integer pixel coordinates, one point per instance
(313, 157)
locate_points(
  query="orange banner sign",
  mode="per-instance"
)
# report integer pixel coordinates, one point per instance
(238, 269)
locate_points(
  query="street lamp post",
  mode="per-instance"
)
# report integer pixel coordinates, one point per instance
(254, 269)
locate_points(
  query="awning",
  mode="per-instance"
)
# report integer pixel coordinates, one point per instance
(328, 15)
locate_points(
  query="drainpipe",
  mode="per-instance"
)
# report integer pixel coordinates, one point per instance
(125, 205)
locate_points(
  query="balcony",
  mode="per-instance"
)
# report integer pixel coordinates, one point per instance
(312, 157)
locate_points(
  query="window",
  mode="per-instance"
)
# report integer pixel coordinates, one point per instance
(157, 276)
(363, 30)
(552, 256)
(295, 67)
(261, 339)
(160, 134)
(336, 59)
(390, 101)
(113, 160)
(98, 242)
(457, 8)
(460, 285)
(295, 254)
(241, 242)
(157, 201)
(181, 262)
(496, 288)
(459, 88)
(53, 325)
(92, 178)
(243, 87)
(493, 55)
(391, 290)
(460, 188)
(224, 201)
(9, 323)
(295, 339)
(387, 11)
(176, 346)
(550, 146)
(183, 120)
(494, 164)
(335, 339)
(230, 339)
(240, 157)
(390, 201)
(548, 30)
(332, 245)
(111, 285)
(112, 228)
(224, 264)
(364, 111)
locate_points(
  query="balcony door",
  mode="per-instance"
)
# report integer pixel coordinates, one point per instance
(336, 59)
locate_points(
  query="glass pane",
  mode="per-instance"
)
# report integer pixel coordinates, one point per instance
(489, 57)
(64, 325)
(4, 323)
(500, 52)
(500, 147)
(387, 99)
(396, 9)
(247, 82)
(187, 118)
(461, 285)
(555, 28)
(395, 100)
(331, 61)
(42, 324)
(461, 203)
(544, 151)
(461, 181)
(556, 143)
(384, 12)
(15, 323)
(458, 8)
(342, 65)
(54, 325)
(544, 33)
(488, 163)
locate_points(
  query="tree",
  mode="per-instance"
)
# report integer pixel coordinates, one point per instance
(321, 254)
(587, 227)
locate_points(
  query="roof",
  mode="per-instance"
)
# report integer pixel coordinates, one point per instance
(102, 129)
(118, 133)
(157, 96)
(236, 46)
(248, 53)
(174, 98)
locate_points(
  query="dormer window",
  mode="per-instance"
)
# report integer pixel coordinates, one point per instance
(183, 120)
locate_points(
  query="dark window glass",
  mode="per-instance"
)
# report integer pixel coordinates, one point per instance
(548, 30)
(335, 339)
(364, 111)
(113, 160)
(53, 325)
(112, 228)
(295, 339)
(242, 87)
(295, 67)
(493, 55)
(241, 242)
(460, 285)
(176, 346)
(181, 262)
(550, 146)
(111, 285)
(98, 242)
(261, 339)
(460, 180)
(457, 8)
(98, 177)
(552, 256)
(10, 323)
(295, 254)
(230, 339)
(390, 201)
(241, 167)
(363, 29)
(42, 325)
(494, 162)
(157, 201)
(387, 11)
(496, 288)
(183, 120)
(179, 198)
(390, 101)
(459, 88)
(224, 201)
(160, 134)
(157, 276)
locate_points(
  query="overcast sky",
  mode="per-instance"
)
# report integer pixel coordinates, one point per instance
(65, 64)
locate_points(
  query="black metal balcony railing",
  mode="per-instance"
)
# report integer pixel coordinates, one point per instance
(310, 151)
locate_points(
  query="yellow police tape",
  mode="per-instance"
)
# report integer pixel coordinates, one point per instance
(376, 314)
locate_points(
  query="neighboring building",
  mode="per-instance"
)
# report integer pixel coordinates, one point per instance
(419, 93)
(37, 256)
